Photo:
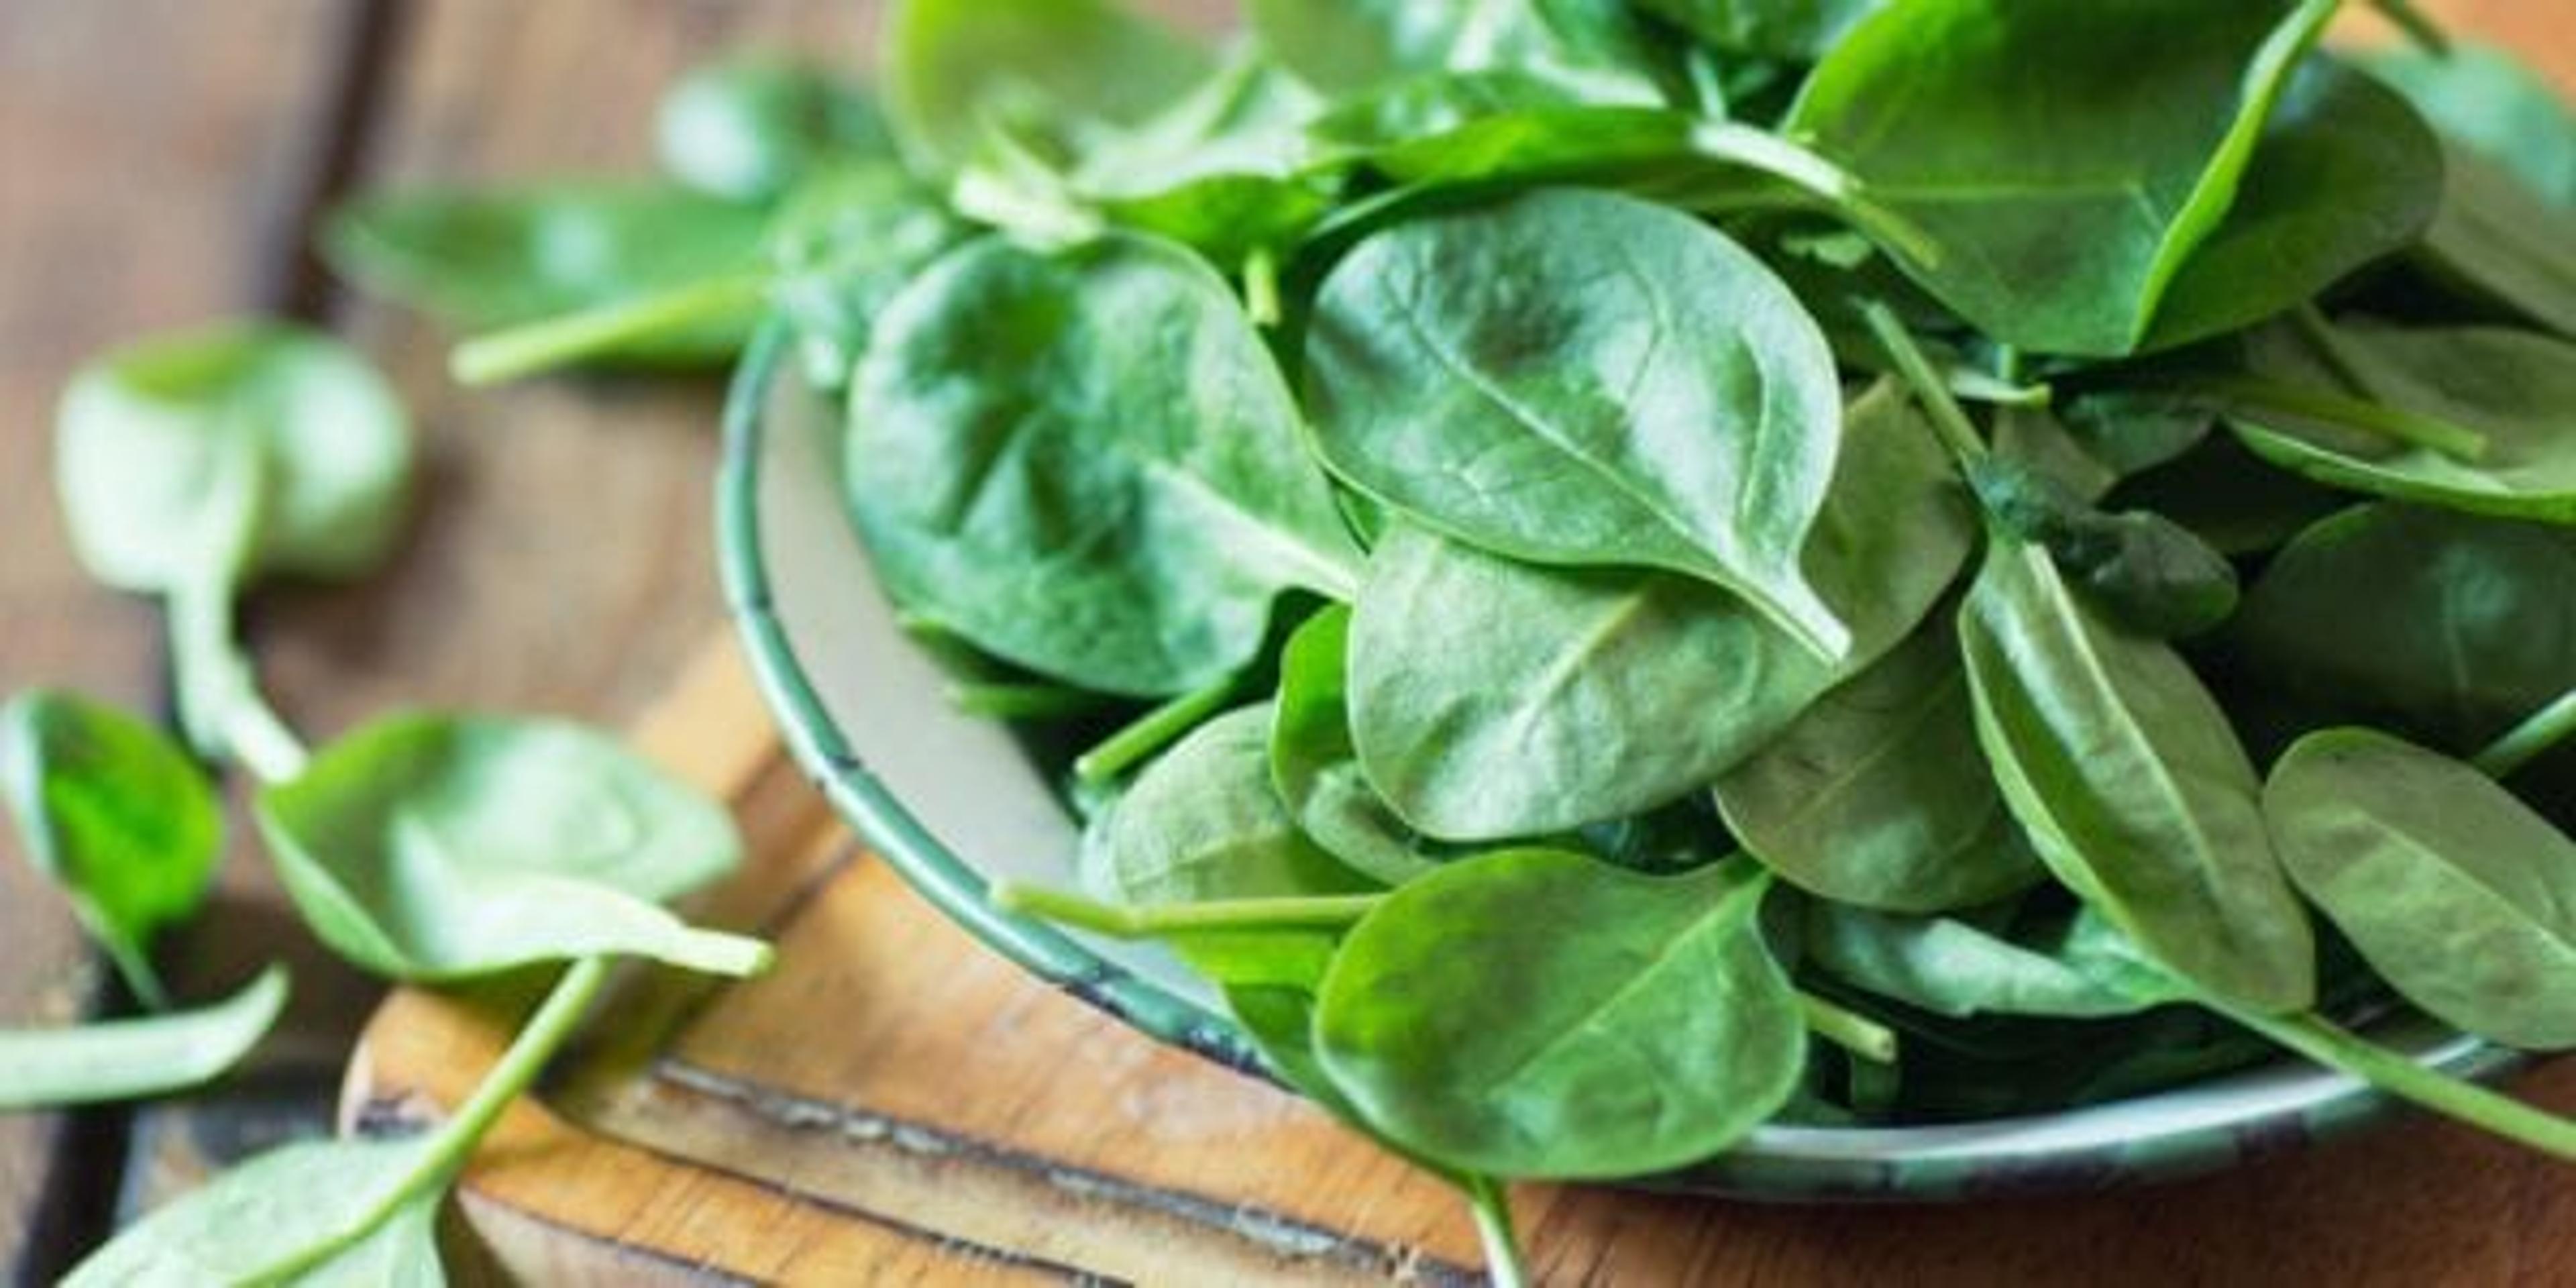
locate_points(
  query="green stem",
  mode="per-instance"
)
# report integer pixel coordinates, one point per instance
(1492, 1207)
(1261, 287)
(1293, 912)
(1735, 143)
(2329, 348)
(260, 739)
(1858, 1034)
(1151, 732)
(2411, 428)
(1019, 701)
(1948, 418)
(2419, 28)
(556, 342)
(2390, 1072)
(134, 966)
(2526, 742)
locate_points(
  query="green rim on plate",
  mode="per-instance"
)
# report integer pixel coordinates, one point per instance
(2181, 1132)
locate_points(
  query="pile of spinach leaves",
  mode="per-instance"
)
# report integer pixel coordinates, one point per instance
(1636, 568)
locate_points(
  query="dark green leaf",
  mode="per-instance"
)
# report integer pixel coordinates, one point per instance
(117, 815)
(2458, 895)
(1088, 464)
(1492, 699)
(1877, 795)
(1463, 1020)
(2074, 967)
(2065, 160)
(1592, 49)
(129, 1059)
(2132, 786)
(430, 848)
(1790, 30)
(2498, 242)
(1585, 379)
(749, 129)
(2144, 571)
(1315, 767)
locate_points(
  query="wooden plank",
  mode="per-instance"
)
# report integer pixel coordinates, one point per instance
(157, 149)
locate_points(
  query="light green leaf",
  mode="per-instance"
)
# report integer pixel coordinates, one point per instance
(129, 1059)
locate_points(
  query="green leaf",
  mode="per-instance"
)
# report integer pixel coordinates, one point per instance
(1452, 128)
(1059, 73)
(130, 1059)
(845, 243)
(2132, 786)
(438, 848)
(288, 1213)
(1202, 823)
(2505, 111)
(752, 128)
(1876, 795)
(1584, 379)
(1788, 30)
(2457, 894)
(2447, 626)
(2064, 159)
(1226, 170)
(117, 815)
(1088, 464)
(273, 438)
(2074, 967)
(2515, 388)
(1594, 50)
(1491, 699)
(1315, 767)
(2143, 570)
(2497, 241)
(481, 260)
(1465, 1022)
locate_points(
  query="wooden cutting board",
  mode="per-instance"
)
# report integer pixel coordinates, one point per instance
(894, 1104)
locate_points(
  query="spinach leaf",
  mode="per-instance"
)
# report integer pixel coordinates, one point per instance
(2346, 174)
(1203, 823)
(1789, 30)
(120, 818)
(2514, 389)
(1462, 127)
(2498, 242)
(437, 848)
(2505, 111)
(1464, 1021)
(1228, 169)
(1877, 796)
(2071, 967)
(1087, 464)
(1593, 50)
(126, 1059)
(1491, 699)
(2447, 626)
(1585, 379)
(1315, 767)
(481, 260)
(287, 1214)
(2229, 498)
(844, 245)
(2458, 895)
(751, 128)
(2131, 785)
(1049, 74)
(2143, 570)
(2065, 160)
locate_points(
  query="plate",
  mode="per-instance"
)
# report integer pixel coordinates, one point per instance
(952, 802)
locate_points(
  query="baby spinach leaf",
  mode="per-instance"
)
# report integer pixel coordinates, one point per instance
(1492, 699)
(751, 128)
(844, 244)
(2346, 174)
(1088, 464)
(1788, 30)
(285, 1215)
(1463, 127)
(2499, 242)
(1585, 379)
(2064, 160)
(2132, 786)
(2072, 967)
(2143, 570)
(2458, 895)
(2515, 389)
(1227, 169)
(481, 260)
(1466, 1021)
(1876, 795)
(1055, 73)
(1203, 823)
(117, 815)
(127, 1059)
(2229, 497)
(2481, 96)
(436, 848)
(2448, 626)
(1592, 49)
(1317, 770)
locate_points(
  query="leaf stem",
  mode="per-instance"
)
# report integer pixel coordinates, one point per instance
(1863, 1037)
(1124, 921)
(2413, 429)
(1261, 287)
(1761, 150)
(1492, 1207)
(550, 343)
(1018, 701)
(2527, 741)
(1151, 732)
(2390, 1072)
(1948, 418)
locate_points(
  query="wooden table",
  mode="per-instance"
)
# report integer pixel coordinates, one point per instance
(167, 159)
